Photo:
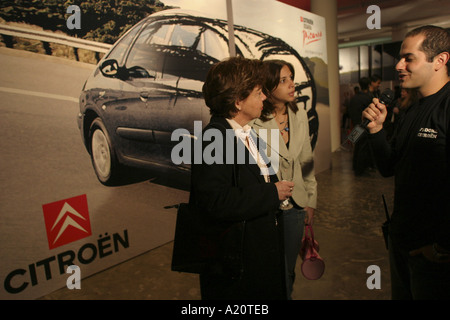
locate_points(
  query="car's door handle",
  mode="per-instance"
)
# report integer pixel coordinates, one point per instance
(144, 96)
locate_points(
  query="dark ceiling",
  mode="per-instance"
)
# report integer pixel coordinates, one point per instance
(397, 17)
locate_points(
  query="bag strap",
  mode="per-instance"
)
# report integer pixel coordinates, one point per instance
(312, 244)
(311, 232)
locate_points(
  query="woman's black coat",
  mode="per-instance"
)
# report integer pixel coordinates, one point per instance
(256, 202)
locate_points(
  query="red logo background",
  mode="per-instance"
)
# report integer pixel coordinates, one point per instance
(73, 217)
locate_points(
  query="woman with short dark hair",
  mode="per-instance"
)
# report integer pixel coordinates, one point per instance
(240, 193)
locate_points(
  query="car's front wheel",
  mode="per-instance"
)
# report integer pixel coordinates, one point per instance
(102, 153)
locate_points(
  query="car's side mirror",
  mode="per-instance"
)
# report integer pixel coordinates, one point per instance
(110, 68)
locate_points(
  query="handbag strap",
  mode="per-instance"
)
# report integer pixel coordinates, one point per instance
(311, 232)
(312, 244)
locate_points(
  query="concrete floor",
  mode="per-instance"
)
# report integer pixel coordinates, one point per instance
(347, 225)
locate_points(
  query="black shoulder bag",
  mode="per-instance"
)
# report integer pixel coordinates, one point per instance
(202, 246)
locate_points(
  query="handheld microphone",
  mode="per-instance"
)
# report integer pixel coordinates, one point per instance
(386, 98)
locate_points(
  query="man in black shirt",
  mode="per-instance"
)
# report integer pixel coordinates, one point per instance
(419, 157)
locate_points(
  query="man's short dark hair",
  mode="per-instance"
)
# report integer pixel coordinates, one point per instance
(437, 40)
(364, 83)
(374, 78)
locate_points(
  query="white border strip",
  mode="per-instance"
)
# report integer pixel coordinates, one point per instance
(39, 94)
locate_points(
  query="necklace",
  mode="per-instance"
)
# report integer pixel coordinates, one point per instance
(286, 126)
(286, 118)
(285, 129)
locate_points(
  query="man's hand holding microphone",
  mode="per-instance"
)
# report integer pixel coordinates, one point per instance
(376, 113)
(373, 116)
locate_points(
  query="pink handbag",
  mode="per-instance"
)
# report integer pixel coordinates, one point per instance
(313, 265)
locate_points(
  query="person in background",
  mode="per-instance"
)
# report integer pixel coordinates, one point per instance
(296, 162)
(230, 193)
(374, 86)
(407, 98)
(418, 156)
(362, 161)
(345, 125)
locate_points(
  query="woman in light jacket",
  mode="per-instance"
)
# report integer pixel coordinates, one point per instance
(296, 162)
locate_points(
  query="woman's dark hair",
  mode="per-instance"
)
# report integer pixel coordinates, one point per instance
(231, 80)
(273, 69)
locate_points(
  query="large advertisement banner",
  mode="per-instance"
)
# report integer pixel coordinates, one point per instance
(76, 136)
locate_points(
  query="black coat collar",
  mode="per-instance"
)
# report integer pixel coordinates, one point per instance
(222, 124)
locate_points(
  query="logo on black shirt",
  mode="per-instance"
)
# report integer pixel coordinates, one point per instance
(427, 133)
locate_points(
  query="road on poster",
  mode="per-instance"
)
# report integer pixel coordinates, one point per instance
(43, 161)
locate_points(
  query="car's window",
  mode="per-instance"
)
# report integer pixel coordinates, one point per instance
(120, 49)
(160, 36)
(143, 54)
(153, 50)
(170, 34)
(184, 36)
(212, 45)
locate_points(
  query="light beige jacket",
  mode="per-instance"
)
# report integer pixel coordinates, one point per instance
(300, 151)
